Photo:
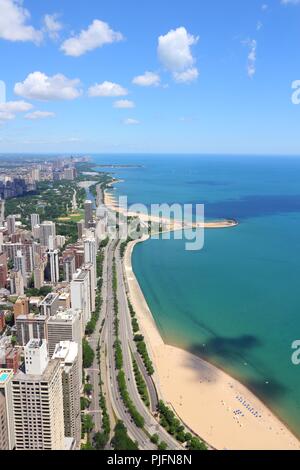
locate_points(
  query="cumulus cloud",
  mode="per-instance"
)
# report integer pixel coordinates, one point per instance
(186, 76)
(9, 109)
(97, 34)
(15, 106)
(6, 116)
(38, 86)
(147, 79)
(107, 89)
(52, 25)
(35, 115)
(124, 104)
(175, 53)
(14, 23)
(131, 122)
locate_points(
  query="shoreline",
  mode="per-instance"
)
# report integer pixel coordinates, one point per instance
(205, 397)
(217, 407)
(169, 224)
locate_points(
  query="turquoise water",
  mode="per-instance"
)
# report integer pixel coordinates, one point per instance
(236, 302)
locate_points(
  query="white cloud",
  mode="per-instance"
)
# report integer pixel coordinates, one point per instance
(187, 76)
(9, 109)
(97, 34)
(107, 89)
(174, 52)
(13, 23)
(35, 115)
(147, 79)
(251, 66)
(259, 26)
(39, 86)
(15, 106)
(6, 116)
(131, 122)
(290, 2)
(52, 26)
(124, 104)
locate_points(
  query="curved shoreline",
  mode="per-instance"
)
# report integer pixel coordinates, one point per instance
(202, 395)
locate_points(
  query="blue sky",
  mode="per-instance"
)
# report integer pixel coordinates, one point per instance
(219, 78)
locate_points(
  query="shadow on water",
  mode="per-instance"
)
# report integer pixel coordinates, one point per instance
(226, 348)
(234, 351)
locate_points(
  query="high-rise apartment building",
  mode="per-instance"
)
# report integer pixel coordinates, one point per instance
(88, 213)
(52, 268)
(7, 435)
(49, 305)
(35, 220)
(38, 401)
(67, 353)
(47, 230)
(69, 268)
(81, 293)
(65, 325)
(31, 327)
(11, 224)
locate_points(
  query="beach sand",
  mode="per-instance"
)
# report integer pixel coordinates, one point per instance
(215, 406)
(168, 225)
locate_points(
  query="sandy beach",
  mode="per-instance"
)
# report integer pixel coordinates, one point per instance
(168, 225)
(214, 405)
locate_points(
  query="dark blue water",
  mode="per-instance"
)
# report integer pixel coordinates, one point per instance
(236, 302)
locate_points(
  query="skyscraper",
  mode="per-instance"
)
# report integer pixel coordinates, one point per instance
(69, 268)
(35, 220)
(38, 401)
(20, 265)
(67, 353)
(52, 268)
(30, 327)
(90, 253)
(80, 295)
(47, 229)
(11, 224)
(7, 435)
(88, 213)
(65, 325)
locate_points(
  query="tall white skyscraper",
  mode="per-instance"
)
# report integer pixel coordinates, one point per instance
(20, 264)
(90, 253)
(88, 213)
(38, 401)
(80, 295)
(35, 220)
(66, 325)
(67, 353)
(47, 229)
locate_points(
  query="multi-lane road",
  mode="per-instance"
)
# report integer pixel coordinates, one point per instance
(141, 436)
